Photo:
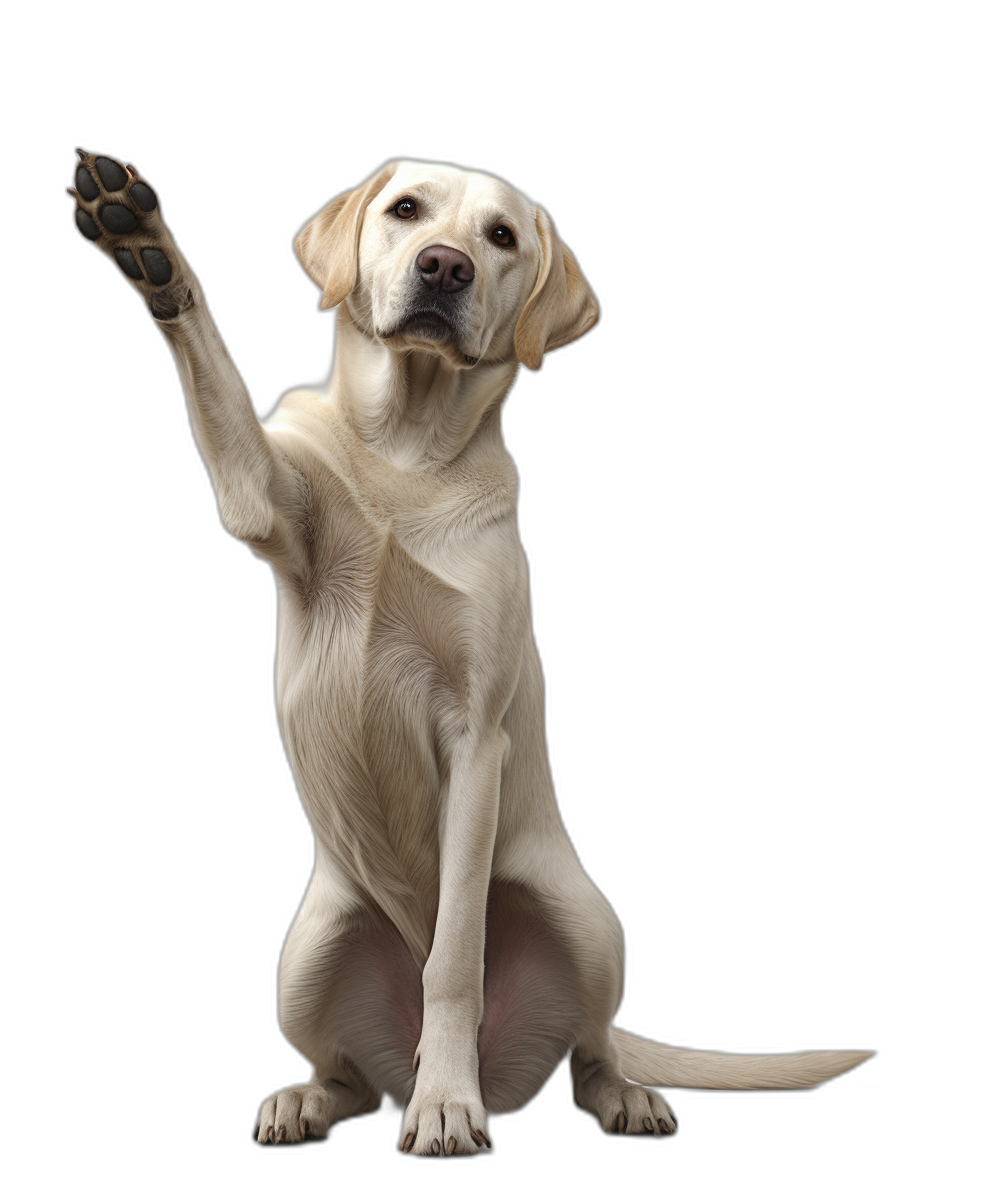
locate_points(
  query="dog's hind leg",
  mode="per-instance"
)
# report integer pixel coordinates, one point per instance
(586, 925)
(553, 980)
(351, 1001)
(601, 1089)
(308, 1111)
(553, 984)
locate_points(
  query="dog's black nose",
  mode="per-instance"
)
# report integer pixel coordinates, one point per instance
(445, 268)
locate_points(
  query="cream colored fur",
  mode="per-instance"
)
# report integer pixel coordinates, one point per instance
(410, 692)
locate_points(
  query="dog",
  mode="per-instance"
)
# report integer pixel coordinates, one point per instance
(450, 949)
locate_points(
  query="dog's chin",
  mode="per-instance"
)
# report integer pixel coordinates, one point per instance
(429, 332)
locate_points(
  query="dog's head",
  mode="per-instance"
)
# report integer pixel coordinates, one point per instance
(436, 258)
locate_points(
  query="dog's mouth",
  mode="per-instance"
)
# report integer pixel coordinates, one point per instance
(428, 322)
(433, 324)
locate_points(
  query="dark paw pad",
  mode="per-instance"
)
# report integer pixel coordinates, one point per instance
(87, 225)
(113, 175)
(144, 196)
(118, 219)
(155, 261)
(127, 261)
(85, 183)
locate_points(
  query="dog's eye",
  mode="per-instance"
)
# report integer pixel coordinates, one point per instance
(407, 208)
(502, 236)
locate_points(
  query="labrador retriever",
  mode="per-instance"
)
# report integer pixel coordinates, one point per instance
(450, 949)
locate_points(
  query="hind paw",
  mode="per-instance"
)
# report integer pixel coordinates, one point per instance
(118, 211)
(634, 1110)
(622, 1108)
(303, 1112)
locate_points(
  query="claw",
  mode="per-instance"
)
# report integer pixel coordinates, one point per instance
(72, 192)
(416, 1060)
(620, 1122)
(481, 1137)
(450, 1145)
(407, 1143)
(81, 153)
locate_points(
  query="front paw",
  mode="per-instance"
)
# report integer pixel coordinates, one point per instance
(118, 211)
(446, 1115)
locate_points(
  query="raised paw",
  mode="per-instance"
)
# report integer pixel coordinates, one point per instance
(119, 212)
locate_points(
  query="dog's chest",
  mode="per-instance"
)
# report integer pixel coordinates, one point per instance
(384, 650)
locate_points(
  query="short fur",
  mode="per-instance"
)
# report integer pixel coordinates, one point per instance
(450, 948)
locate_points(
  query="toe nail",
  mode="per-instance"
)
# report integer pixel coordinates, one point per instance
(409, 1141)
(621, 1122)
(450, 1145)
(648, 1124)
(435, 1147)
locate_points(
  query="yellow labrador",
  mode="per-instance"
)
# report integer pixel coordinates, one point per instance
(450, 949)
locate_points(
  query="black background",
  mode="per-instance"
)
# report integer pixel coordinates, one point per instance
(707, 507)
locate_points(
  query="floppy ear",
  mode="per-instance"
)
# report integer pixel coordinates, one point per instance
(561, 306)
(327, 247)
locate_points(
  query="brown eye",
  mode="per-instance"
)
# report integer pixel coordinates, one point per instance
(502, 236)
(407, 208)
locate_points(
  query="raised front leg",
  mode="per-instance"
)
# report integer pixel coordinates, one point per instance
(446, 1115)
(119, 212)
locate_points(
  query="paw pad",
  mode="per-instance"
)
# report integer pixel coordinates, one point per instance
(127, 261)
(144, 196)
(86, 185)
(113, 175)
(86, 225)
(157, 265)
(97, 179)
(117, 219)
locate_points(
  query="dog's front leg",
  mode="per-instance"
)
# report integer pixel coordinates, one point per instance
(119, 212)
(446, 1115)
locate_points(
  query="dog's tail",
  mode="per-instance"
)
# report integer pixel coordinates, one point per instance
(650, 1063)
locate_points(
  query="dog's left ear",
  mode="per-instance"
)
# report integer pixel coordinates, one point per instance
(327, 247)
(561, 306)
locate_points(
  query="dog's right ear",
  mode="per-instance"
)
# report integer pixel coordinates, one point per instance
(327, 246)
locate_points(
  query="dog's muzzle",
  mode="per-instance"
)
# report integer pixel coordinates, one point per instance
(436, 306)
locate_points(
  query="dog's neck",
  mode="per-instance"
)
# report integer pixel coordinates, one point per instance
(414, 408)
